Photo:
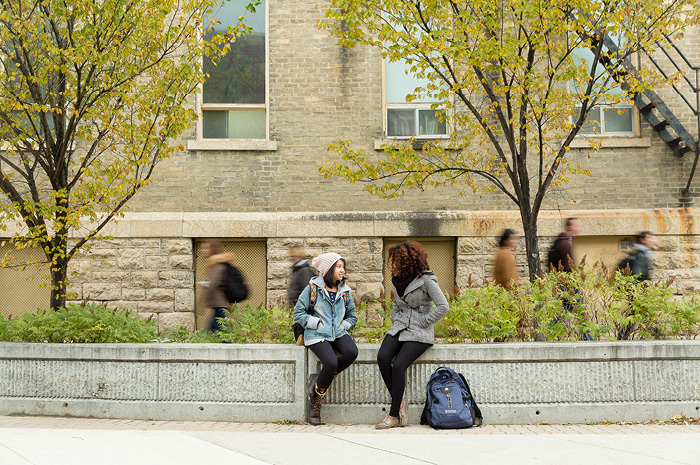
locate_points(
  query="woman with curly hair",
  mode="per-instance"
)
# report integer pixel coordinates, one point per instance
(418, 304)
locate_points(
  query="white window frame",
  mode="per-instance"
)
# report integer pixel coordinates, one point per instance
(416, 108)
(201, 106)
(600, 107)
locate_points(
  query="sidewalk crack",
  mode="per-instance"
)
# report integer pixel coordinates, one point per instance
(376, 448)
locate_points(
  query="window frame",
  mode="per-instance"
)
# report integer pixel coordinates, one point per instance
(201, 107)
(416, 107)
(601, 107)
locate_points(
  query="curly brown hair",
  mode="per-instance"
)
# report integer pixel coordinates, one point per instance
(408, 259)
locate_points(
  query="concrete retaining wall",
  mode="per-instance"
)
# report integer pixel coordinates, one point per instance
(513, 383)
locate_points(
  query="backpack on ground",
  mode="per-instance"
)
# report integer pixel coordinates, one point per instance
(298, 329)
(235, 287)
(449, 403)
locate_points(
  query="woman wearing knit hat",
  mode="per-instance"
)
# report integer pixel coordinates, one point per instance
(326, 327)
(411, 334)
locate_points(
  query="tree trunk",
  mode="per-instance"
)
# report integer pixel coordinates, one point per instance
(532, 247)
(59, 255)
(59, 281)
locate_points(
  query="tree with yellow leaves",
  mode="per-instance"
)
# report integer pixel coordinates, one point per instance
(93, 95)
(518, 79)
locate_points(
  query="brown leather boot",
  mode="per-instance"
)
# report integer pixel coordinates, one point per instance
(316, 399)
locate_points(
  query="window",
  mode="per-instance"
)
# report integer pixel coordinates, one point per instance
(251, 260)
(441, 258)
(617, 120)
(234, 97)
(606, 119)
(29, 290)
(417, 119)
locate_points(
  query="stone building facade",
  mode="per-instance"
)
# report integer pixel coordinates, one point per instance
(268, 191)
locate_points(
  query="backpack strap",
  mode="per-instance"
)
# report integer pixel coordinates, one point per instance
(313, 295)
(479, 419)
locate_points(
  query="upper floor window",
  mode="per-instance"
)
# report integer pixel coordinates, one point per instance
(234, 97)
(415, 119)
(606, 118)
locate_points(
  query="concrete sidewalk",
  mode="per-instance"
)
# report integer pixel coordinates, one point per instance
(58, 441)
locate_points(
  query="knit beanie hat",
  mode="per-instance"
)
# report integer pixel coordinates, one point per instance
(325, 261)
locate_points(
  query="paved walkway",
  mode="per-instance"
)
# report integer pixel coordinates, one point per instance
(78, 441)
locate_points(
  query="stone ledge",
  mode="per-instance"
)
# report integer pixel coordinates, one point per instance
(677, 221)
(583, 142)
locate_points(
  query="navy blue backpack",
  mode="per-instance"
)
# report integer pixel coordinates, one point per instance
(449, 403)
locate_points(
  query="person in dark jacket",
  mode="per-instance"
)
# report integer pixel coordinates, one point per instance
(641, 265)
(301, 273)
(418, 304)
(561, 256)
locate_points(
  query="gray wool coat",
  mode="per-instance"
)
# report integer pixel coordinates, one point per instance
(414, 315)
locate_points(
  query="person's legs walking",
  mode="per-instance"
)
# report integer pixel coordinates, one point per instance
(216, 325)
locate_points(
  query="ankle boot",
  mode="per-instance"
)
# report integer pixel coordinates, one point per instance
(315, 402)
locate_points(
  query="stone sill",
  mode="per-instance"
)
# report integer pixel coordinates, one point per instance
(222, 145)
(582, 142)
(417, 144)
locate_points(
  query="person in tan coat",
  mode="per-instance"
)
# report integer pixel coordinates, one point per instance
(505, 273)
(215, 297)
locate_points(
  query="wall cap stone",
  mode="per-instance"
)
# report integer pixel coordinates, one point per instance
(677, 221)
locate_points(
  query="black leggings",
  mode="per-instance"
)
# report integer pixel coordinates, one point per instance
(395, 376)
(330, 363)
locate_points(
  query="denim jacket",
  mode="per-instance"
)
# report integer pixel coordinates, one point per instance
(414, 315)
(328, 322)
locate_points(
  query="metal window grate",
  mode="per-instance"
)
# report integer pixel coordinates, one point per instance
(250, 258)
(441, 259)
(22, 291)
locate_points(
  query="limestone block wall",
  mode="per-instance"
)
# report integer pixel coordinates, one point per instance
(363, 256)
(152, 276)
(148, 265)
(320, 92)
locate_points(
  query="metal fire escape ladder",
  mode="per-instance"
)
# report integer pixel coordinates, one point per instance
(655, 110)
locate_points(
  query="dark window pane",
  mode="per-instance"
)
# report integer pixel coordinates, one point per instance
(432, 123)
(400, 123)
(240, 75)
(592, 124)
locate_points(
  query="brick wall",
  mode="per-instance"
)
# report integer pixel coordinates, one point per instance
(321, 92)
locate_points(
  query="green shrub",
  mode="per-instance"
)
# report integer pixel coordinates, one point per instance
(248, 324)
(78, 323)
(605, 304)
